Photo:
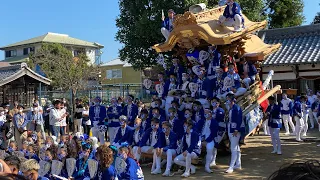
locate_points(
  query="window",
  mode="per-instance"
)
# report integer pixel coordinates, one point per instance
(114, 74)
(77, 52)
(27, 51)
(11, 53)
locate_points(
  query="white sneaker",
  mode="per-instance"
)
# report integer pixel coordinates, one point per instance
(213, 164)
(208, 170)
(299, 140)
(152, 169)
(230, 170)
(185, 174)
(157, 171)
(166, 173)
(287, 133)
(293, 134)
(304, 135)
(193, 169)
(318, 145)
(273, 152)
(279, 153)
(237, 167)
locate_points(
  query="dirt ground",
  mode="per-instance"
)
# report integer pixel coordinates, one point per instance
(257, 161)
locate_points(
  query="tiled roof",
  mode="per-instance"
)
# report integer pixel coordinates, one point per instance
(55, 38)
(13, 72)
(300, 45)
(116, 62)
(8, 71)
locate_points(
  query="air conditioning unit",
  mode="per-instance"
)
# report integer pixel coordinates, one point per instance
(197, 8)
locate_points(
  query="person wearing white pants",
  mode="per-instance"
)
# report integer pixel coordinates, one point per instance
(149, 144)
(167, 24)
(314, 111)
(299, 113)
(113, 114)
(137, 136)
(167, 145)
(274, 122)
(208, 128)
(78, 116)
(232, 16)
(97, 115)
(235, 128)
(96, 132)
(191, 146)
(306, 108)
(286, 111)
(311, 99)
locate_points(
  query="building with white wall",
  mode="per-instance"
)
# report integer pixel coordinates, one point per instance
(19, 52)
(297, 63)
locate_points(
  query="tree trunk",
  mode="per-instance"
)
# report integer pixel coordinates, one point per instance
(73, 104)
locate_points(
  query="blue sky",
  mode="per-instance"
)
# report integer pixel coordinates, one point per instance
(88, 20)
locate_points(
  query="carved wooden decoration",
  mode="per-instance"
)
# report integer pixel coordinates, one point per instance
(184, 19)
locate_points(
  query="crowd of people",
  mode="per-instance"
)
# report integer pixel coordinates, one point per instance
(133, 131)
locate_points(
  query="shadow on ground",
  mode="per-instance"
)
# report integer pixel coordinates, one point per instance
(257, 161)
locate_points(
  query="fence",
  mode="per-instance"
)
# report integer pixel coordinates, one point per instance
(106, 92)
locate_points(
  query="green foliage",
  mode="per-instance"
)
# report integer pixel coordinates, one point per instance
(253, 9)
(285, 13)
(65, 71)
(316, 19)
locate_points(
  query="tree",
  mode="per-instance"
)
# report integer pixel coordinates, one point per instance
(139, 28)
(285, 13)
(65, 71)
(139, 22)
(316, 19)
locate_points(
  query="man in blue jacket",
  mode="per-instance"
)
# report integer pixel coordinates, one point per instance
(218, 115)
(167, 24)
(232, 16)
(124, 134)
(167, 143)
(315, 107)
(286, 112)
(213, 66)
(149, 142)
(177, 69)
(300, 113)
(191, 146)
(130, 110)
(113, 113)
(97, 115)
(235, 128)
(208, 129)
(274, 123)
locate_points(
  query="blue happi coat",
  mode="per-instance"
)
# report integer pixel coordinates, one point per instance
(127, 137)
(133, 115)
(162, 143)
(274, 120)
(113, 116)
(195, 145)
